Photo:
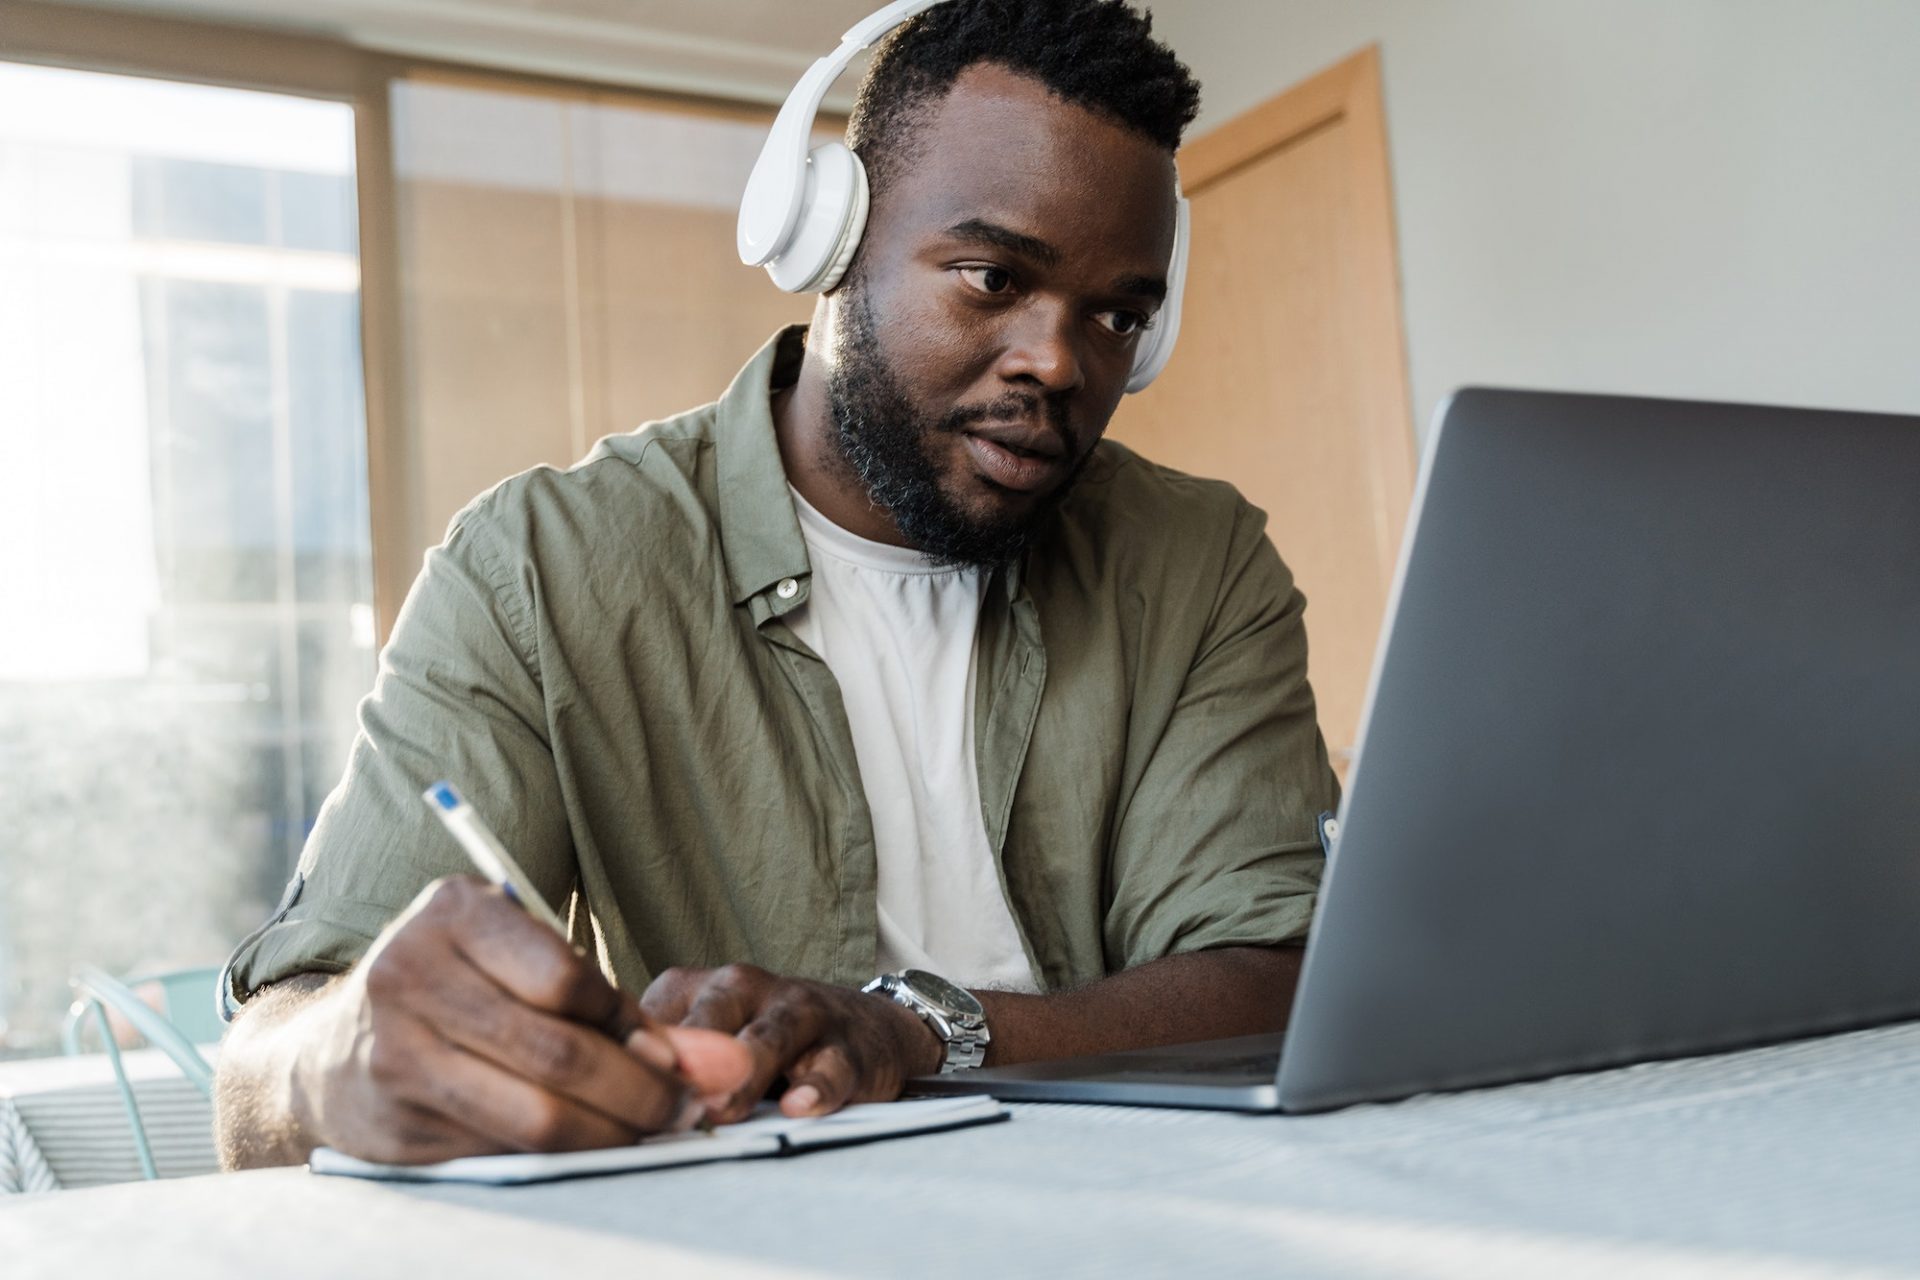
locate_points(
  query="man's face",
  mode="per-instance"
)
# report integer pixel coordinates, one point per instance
(989, 327)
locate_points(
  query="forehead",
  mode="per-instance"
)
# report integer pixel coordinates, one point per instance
(1001, 147)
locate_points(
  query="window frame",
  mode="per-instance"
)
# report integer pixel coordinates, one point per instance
(227, 56)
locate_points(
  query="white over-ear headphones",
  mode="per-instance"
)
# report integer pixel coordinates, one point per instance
(804, 210)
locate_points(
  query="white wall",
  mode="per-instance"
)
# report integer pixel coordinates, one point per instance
(1698, 198)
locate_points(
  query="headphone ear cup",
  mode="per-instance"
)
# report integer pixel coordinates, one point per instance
(849, 238)
(833, 214)
(1156, 346)
(1147, 361)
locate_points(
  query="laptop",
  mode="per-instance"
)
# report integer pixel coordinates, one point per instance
(1640, 768)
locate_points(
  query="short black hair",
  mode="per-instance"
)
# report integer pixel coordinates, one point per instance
(1098, 54)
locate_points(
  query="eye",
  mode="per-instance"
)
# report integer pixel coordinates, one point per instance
(987, 279)
(1125, 324)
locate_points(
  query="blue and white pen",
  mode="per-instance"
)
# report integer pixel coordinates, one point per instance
(488, 854)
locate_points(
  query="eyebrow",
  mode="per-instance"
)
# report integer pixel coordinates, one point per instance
(980, 231)
(1152, 287)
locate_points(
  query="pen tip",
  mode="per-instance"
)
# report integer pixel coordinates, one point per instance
(443, 795)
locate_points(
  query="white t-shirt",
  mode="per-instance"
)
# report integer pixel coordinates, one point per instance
(897, 633)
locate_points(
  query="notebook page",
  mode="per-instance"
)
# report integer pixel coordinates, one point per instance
(767, 1133)
(885, 1120)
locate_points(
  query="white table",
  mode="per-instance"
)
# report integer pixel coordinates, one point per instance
(1795, 1161)
(62, 1119)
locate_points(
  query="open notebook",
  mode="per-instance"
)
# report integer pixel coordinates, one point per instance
(767, 1133)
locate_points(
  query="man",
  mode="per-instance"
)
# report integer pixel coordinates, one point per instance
(884, 660)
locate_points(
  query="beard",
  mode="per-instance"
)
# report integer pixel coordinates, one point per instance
(888, 447)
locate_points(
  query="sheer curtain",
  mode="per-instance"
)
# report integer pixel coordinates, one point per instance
(568, 271)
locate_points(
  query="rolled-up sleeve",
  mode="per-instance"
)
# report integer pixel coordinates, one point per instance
(458, 697)
(1218, 845)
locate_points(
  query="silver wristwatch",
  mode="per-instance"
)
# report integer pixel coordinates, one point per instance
(955, 1016)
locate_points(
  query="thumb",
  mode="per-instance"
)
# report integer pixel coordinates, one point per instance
(713, 1063)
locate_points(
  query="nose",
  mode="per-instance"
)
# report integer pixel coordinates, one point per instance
(1043, 346)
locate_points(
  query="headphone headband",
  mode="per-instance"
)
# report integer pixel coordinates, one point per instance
(770, 210)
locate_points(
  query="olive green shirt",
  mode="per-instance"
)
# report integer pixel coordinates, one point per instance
(599, 659)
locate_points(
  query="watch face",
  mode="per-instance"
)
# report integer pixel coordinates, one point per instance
(937, 990)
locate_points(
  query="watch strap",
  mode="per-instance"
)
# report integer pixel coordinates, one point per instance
(966, 1038)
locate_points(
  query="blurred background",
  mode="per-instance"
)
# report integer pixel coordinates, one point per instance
(283, 286)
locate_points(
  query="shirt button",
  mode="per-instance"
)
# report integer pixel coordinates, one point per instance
(787, 589)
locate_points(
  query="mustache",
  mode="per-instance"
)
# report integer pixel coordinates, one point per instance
(1017, 406)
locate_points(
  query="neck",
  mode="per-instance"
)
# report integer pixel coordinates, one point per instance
(810, 449)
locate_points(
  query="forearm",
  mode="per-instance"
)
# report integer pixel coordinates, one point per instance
(260, 1118)
(1204, 995)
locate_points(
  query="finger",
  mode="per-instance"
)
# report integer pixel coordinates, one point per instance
(627, 1019)
(390, 1127)
(780, 1032)
(515, 1112)
(714, 1064)
(538, 966)
(419, 1135)
(655, 1049)
(559, 1056)
(406, 1133)
(821, 1081)
(540, 972)
(719, 1006)
(667, 996)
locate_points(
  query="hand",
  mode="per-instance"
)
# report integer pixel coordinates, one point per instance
(470, 1028)
(835, 1045)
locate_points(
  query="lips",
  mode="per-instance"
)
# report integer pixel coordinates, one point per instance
(1011, 468)
(1026, 441)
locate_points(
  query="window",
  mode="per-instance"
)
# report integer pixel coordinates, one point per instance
(185, 564)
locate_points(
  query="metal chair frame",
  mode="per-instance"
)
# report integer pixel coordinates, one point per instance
(97, 991)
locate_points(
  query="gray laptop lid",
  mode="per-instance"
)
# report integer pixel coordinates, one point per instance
(1640, 774)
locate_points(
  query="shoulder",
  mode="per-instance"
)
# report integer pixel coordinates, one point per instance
(1127, 508)
(1154, 561)
(653, 486)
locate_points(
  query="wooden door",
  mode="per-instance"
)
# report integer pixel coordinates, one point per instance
(1290, 374)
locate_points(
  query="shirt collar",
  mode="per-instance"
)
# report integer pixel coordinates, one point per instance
(758, 529)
